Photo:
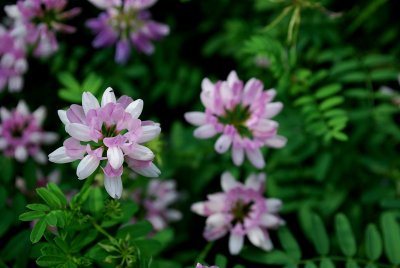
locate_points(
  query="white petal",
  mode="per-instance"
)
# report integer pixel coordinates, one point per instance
(151, 171)
(223, 143)
(270, 220)
(108, 97)
(273, 205)
(255, 182)
(89, 102)
(195, 118)
(228, 182)
(4, 113)
(256, 158)
(49, 137)
(40, 157)
(235, 243)
(78, 131)
(40, 114)
(22, 108)
(216, 220)
(149, 133)
(135, 108)
(63, 116)
(198, 208)
(12, 11)
(237, 155)
(115, 157)
(207, 85)
(205, 131)
(258, 239)
(21, 154)
(3, 143)
(276, 142)
(59, 156)
(87, 166)
(140, 152)
(15, 84)
(273, 109)
(113, 186)
(232, 78)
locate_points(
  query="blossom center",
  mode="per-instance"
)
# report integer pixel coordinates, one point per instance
(240, 211)
(126, 21)
(237, 117)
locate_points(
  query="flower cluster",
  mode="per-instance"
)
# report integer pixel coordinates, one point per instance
(125, 24)
(242, 114)
(112, 128)
(34, 24)
(240, 210)
(156, 200)
(21, 133)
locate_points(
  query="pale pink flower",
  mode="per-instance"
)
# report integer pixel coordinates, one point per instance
(242, 114)
(21, 133)
(203, 266)
(109, 133)
(156, 201)
(240, 210)
(39, 20)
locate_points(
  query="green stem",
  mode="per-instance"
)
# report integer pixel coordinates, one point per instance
(205, 252)
(101, 230)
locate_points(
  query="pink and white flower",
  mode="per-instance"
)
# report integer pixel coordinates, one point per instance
(156, 202)
(242, 114)
(37, 21)
(21, 133)
(125, 24)
(203, 266)
(240, 210)
(13, 64)
(110, 133)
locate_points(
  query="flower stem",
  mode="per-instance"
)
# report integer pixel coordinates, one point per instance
(101, 230)
(205, 252)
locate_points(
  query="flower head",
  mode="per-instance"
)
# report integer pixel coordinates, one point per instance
(156, 200)
(203, 266)
(240, 210)
(39, 20)
(21, 133)
(242, 115)
(126, 24)
(13, 62)
(109, 133)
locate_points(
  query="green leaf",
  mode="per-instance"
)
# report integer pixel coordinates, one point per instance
(61, 244)
(51, 261)
(16, 246)
(136, 230)
(6, 168)
(328, 90)
(326, 263)
(351, 264)
(83, 239)
(51, 218)
(50, 198)
(340, 136)
(345, 235)
(38, 207)
(7, 218)
(319, 235)
(391, 237)
(31, 215)
(96, 203)
(221, 261)
(276, 257)
(289, 243)
(331, 102)
(310, 264)
(373, 243)
(38, 231)
(67, 80)
(60, 195)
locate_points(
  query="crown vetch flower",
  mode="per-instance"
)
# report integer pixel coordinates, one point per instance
(242, 115)
(156, 201)
(108, 133)
(39, 20)
(13, 62)
(203, 266)
(240, 210)
(126, 24)
(21, 133)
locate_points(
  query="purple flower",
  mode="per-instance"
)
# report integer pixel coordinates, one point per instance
(160, 194)
(242, 114)
(126, 24)
(21, 133)
(203, 266)
(13, 62)
(240, 210)
(111, 129)
(39, 20)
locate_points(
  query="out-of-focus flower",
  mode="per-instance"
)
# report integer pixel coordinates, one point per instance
(242, 114)
(240, 210)
(390, 92)
(203, 266)
(160, 194)
(21, 133)
(113, 129)
(39, 20)
(126, 24)
(41, 181)
(262, 61)
(13, 62)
